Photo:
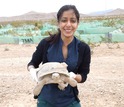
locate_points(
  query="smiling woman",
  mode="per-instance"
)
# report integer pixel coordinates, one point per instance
(68, 25)
(62, 47)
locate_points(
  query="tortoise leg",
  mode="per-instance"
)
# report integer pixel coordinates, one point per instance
(38, 88)
(70, 81)
(62, 85)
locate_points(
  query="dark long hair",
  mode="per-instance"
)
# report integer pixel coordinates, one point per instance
(54, 37)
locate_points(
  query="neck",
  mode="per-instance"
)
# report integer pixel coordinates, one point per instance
(66, 40)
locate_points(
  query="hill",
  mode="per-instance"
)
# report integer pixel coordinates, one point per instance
(32, 15)
(116, 12)
(110, 12)
(29, 16)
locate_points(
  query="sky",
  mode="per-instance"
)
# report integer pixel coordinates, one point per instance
(18, 7)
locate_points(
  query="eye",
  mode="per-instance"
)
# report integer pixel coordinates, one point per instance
(73, 21)
(63, 20)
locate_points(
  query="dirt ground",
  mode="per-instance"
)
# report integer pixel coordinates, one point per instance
(103, 88)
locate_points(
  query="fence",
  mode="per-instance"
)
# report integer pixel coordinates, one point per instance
(94, 38)
(20, 39)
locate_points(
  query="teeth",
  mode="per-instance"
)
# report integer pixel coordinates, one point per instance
(68, 30)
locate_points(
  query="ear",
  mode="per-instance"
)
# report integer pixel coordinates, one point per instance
(64, 64)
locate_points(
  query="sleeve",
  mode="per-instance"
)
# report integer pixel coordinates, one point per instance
(85, 59)
(37, 56)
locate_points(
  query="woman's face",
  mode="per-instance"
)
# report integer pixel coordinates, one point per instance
(68, 23)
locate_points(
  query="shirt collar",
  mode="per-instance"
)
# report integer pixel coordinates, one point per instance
(61, 42)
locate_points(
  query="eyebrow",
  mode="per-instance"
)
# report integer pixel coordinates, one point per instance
(66, 18)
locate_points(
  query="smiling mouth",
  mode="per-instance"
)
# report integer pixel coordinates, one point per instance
(68, 30)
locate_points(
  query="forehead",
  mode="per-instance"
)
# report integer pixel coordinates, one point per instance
(68, 14)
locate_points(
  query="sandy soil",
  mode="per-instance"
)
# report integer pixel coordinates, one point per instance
(103, 88)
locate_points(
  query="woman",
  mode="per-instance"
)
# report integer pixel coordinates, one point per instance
(62, 47)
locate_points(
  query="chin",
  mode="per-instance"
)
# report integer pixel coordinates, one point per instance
(68, 35)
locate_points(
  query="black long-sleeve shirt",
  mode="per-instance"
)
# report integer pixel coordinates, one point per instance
(78, 61)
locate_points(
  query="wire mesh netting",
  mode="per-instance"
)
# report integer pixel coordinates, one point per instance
(94, 31)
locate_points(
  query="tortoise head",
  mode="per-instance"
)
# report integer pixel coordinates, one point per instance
(55, 76)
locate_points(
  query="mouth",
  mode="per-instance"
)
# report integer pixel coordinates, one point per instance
(68, 30)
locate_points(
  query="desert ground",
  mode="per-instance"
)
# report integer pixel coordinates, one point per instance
(103, 88)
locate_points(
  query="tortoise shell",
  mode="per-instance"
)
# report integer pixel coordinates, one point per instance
(52, 67)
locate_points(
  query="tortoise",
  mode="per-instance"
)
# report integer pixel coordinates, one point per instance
(53, 73)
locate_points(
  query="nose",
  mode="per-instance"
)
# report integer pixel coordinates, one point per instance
(68, 23)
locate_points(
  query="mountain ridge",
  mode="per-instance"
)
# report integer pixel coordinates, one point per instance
(32, 15)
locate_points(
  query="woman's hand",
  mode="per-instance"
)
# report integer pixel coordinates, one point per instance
(72, 75)
(77, 77)
(33, 73)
